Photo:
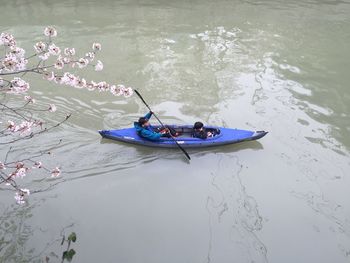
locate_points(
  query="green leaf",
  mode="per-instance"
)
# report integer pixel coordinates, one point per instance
(68, 255)
(72, 237)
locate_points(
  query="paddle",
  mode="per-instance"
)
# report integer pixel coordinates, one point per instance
(178, 145)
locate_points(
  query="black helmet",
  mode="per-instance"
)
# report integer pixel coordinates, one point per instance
(198, 125)
(143, 120)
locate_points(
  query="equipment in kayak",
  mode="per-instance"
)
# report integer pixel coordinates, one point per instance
(222, 136)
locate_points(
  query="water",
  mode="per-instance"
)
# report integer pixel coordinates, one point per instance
(281, 66)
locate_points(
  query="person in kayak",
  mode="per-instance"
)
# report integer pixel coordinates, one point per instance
(145, 129)
(200, 132)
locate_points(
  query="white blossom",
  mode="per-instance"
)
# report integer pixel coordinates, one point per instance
(40, 47)
(9, 62)
(20, 195)
(26, 191)
(52, 108)
(59, 64)
(21, 172)
(82, 62)
(18, 52)
(55, 172)
(69, 51)
(81, 83)
(7, 39)
(128, 92)
(96, 46)
(90, 56)
(21, 64)
(44, 56)
(98, 66)
(91, 86)
(66, 60)
(102, 86)
(54, 50)
(57, 79)
(37, 164)
(69, 79)
(50, 31)
(117, 90)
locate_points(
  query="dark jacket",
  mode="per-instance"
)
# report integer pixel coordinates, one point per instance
(147, 132)
(200, 134)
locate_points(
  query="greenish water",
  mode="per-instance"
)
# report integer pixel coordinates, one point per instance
(280, 66)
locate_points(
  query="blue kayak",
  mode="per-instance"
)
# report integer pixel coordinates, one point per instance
(222, 136)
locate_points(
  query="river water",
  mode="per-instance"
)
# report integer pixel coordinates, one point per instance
(277, 65)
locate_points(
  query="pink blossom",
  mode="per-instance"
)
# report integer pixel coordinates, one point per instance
(69, 51)
(50, 31)
(52, 108)
(21, 172)
(40, 47)
(59, 64)
(7, 40)
(9, 62)
(96, 46)
(128, 92)
(54, 50)
(99, 65)
(55, 172)
(18, 85)
(29, 99)
(21, 64)
(117, 91)
(2, 166)
(69, 79)
(25, 127)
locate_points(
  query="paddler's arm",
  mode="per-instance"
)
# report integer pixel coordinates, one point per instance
(149, 115)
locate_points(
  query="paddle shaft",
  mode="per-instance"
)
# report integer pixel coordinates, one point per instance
(161, 123)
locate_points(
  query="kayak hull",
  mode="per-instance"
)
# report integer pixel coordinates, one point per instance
(224, 137)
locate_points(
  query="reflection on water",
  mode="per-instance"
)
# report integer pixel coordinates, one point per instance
(233, 217)
(281, 66)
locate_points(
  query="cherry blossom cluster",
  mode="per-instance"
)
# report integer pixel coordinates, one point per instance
(14, 59)
(53, 64)
(18, 171)
(56, 64)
